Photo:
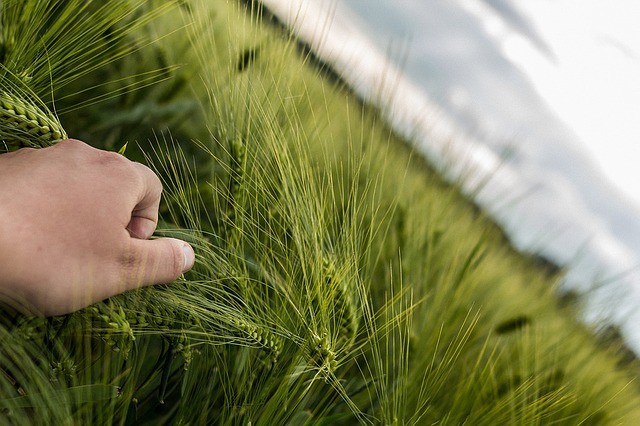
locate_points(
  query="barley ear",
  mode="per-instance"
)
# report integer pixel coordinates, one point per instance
(322, 354)
(238, 154)
(27, 123)
(260, 336)
(113, 327)
(344, 306)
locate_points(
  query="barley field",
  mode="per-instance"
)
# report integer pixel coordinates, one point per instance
(338, 278)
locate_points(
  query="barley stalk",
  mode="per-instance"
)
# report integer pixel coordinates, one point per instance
(23, 123)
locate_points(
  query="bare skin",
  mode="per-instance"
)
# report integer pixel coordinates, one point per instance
(75, 224)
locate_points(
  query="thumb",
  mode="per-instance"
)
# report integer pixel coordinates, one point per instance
(158, 261)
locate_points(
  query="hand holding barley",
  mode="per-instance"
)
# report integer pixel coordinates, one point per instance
(75, 228)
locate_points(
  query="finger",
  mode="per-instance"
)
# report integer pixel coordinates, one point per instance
(144, 217)
(141, 227)
(157, 261)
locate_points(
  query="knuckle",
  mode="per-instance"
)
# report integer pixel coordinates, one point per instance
(118, 168)
(20, 152)
(151, 266)
(71, 144)
(150, 176)
(109, 158)
(129, 264)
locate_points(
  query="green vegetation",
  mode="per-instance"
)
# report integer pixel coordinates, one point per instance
(338, 279)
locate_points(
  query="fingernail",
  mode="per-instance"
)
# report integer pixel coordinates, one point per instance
(189, 257)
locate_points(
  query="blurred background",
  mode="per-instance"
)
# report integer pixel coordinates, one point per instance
(532, 106)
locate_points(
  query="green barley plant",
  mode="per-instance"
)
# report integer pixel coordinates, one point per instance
(338, 278)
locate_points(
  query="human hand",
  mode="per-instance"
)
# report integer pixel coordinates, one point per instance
(75, 224)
